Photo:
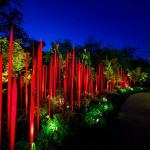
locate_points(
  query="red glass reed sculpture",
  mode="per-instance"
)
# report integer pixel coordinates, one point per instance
(43, 79)
(55, 74)
(45, 82)
(79, 83)
(26, 85)
(39, 84)
(9, 79)
(13, 114)
(32, 109)
(72, 78)
(21, 91)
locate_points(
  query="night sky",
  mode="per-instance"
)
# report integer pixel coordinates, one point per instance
(117, 22)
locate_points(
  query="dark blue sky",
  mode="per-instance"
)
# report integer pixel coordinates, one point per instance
(116, 22)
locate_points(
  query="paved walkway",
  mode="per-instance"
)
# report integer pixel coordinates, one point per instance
(132, 130)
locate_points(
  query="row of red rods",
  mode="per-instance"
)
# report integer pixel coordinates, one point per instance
(74, 78)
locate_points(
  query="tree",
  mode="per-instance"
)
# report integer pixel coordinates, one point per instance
(18, 59)
(85, 58)
(108, 70)
(94, 47)
(139, 76)
(10, 14)
(126, 56)
(63, 47)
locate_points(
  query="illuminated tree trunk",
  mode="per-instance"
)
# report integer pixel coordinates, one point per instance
(130, 80)
(121, 75)
(66, 80)
(90, 84)
(50, 85)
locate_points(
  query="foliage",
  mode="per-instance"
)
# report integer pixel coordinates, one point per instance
(62, 47)
(96, 114)
(11, 14)
(85, 58)
(18, 58)
(52, 134)
(126, 56)
(33, 146)
(138, 75)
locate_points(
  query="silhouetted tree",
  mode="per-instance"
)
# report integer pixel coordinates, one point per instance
(10, 14)
(94, 47)
(64, 46)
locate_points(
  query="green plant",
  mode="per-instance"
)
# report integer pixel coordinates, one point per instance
(53, 133)
(18, 58)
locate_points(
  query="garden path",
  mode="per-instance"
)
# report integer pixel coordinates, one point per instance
(132, 128)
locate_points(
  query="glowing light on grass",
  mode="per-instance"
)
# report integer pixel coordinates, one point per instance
(123, 90)
(105, 107)
(33, 146)
(94, 116)
(104, 99)
(131, 89)
(55, 129)
(9, 79)
(52, 126)
(13, 114)
(1, 96)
